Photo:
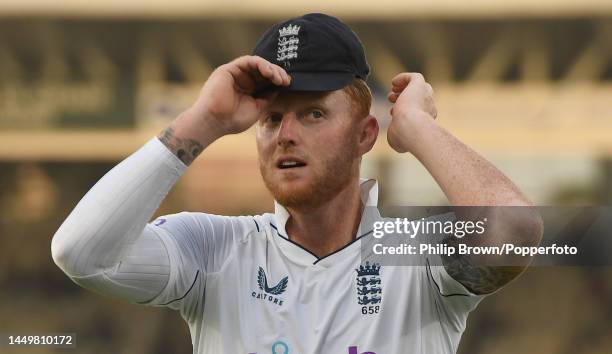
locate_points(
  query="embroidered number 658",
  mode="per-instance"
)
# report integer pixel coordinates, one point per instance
(369, 310)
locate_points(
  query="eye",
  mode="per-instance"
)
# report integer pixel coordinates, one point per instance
(316, 113)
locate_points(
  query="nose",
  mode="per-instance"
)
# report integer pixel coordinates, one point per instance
(287, 132)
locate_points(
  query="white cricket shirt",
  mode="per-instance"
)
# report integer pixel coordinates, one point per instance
(244, 287)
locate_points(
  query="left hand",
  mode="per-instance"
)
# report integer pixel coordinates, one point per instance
(413, 103)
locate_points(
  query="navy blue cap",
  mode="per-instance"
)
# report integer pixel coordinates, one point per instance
(319, 52)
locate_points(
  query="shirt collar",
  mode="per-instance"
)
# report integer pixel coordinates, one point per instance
(369, 197)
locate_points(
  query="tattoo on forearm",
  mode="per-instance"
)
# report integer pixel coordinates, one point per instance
(185, 149)
(478, 279)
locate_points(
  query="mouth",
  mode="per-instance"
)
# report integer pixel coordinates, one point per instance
(289, 163)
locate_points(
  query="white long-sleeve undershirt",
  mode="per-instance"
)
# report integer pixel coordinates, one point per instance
(105, 244)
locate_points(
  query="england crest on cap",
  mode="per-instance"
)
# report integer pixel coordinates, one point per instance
(288, 42)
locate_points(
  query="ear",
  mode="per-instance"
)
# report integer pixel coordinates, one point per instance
(368, 133)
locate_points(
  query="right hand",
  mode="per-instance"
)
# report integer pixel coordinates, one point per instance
(226, 100)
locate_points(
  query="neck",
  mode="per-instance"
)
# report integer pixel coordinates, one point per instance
(325, 229)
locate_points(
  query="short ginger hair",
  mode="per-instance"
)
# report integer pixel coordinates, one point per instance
(361, 97)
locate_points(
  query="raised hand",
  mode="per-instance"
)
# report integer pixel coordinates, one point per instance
(227, 97)
(413, 103)
(226, 105)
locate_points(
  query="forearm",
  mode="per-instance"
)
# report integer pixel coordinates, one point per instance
(468, 180)
(464, 176)
(113, 214)
(189, 134)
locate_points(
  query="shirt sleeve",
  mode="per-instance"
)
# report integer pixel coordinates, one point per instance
(453, 299)
(198, 244)
(180, 236)
(105, 243)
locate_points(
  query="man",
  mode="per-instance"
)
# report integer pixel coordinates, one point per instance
(293, 281)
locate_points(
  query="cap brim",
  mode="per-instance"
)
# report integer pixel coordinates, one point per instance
(328, 81)
(321, 81)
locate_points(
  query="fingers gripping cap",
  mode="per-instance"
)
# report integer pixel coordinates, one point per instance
(319, 52)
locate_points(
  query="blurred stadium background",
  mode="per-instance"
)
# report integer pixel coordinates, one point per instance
(85, 83)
